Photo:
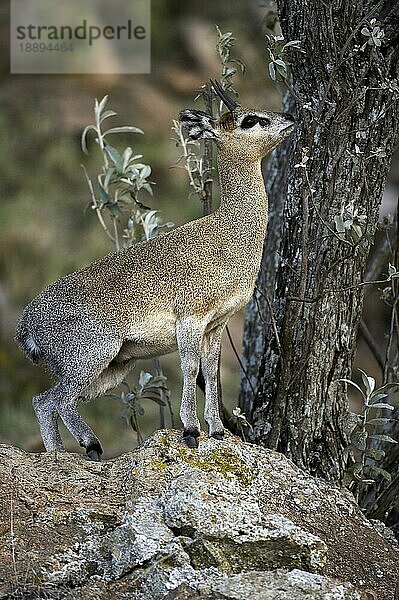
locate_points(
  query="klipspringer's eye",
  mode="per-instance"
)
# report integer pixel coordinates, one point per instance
(263, 122)
(249, 121)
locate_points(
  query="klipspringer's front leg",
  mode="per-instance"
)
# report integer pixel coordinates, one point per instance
(210, 366)
(189, 333)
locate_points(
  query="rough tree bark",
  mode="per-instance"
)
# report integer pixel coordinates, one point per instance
(301, 325)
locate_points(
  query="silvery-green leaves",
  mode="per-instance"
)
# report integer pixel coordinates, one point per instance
(349, 224)
(279, 54)
(143, 226)
(304, 159)
(100, 116)
(388, 292)
(240, 421)
(365, 439)
(122, 179)
(373, 33)
(393, 273)
(230, 66)
(191, 159)
(149, 387)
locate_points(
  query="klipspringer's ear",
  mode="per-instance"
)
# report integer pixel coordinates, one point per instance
(198, 124)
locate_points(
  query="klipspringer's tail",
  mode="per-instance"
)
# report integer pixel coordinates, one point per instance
(26, 340)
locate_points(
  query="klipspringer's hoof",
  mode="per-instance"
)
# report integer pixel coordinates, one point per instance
(94, 452)
(190, 437)
(218, 435)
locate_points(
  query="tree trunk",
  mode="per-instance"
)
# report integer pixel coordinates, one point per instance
(301, 325)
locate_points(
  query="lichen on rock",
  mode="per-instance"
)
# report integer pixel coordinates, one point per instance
(229, 520)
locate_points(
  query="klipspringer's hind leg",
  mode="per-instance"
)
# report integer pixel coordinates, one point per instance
(60, 401)
(81, 358)
(210, 358)
(84, 435)
(47, 417)
(107, 379)
(80, 348)
(189, 333)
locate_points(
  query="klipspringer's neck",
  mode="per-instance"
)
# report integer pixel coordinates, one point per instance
(243, 194)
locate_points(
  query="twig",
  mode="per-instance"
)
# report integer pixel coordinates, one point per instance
(240, 361)
(116, 235)
(395, 303)
(208, 150)
(12, 531)
(390, 341)
(158, 370)
(96, 207)
(370, 341)
(272, 317)
(385, 500)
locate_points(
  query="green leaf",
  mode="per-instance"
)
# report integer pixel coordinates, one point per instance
(354, 385)
(379, 471)
(369, 382)
(375, 453)
(377, 396)
(127, 154)
(115, 157)
(101, 105)
(378, 421)
(124, 129)
(383, 438)
(294, 43)
(339, 224)
(83, 139)
(355, 468)
(105, 197)
(145, 171)
(110, 172)
(107, 114)
(144, 378)
(281, 63)
(358, 440)
(114, 209)
(282, 71)
(272, 72)
(382, 405)
(147, 187)
(155, 383)
(388, 385)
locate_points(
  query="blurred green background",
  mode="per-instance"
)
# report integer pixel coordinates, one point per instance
(46, 231)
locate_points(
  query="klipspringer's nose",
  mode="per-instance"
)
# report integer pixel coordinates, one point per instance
(289, 117)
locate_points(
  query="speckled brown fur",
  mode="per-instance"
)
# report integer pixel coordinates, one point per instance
(173, 292)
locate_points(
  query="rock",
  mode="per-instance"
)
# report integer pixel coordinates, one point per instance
(276, 585)
(229, 520)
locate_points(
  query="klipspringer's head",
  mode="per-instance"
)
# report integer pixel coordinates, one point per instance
(243, 133)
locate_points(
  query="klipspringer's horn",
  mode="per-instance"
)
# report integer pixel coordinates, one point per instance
(224, 96)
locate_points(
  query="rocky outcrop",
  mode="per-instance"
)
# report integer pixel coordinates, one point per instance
(229, 520)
